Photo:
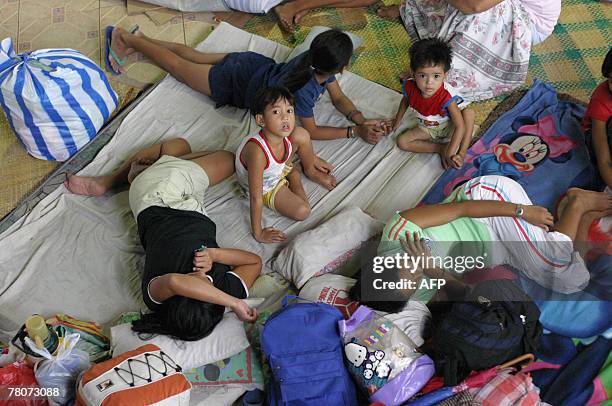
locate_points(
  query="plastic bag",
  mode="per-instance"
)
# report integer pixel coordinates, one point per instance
(382, 358)
(62, 370)
(18, 375)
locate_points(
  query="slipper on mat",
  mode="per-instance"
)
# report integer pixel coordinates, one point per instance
(108, 50)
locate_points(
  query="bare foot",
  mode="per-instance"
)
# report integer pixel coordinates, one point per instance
(86, 185)
(299, 16)
(389, 12)
(589, 200)
(322, 165)
(324, 179)
(443, 159)
(119, 47)
(286, 16)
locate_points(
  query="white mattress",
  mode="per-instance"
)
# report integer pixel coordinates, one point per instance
(81, 255)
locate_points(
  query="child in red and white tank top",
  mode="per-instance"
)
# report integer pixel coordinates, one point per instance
(263, 163)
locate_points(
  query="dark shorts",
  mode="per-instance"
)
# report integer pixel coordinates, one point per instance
(230, 79)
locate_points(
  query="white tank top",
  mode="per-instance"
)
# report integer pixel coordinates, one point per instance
(274, 167)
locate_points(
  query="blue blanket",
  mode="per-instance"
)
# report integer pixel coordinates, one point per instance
(540, 144)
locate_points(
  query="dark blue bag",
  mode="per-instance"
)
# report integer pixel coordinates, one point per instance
(304, 349)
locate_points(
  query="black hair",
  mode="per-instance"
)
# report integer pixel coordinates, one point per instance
(394, 300)
(430, 52)
(329, 52)
(268, 95)
(606, 67)
(181, 317)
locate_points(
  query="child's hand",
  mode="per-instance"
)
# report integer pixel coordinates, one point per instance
(270, 235)
(202, 261)
(538, 216)
(323, 165)
(416, 248)
(244, 312)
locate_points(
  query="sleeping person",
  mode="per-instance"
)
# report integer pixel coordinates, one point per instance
(492, 217)
(188, 280)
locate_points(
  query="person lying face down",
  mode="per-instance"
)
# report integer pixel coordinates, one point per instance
(234, 78)
(188, 280)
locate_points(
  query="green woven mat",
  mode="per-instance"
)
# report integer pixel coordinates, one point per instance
(570, 58)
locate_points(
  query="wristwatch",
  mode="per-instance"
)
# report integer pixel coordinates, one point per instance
(519, 211)
(350, 132)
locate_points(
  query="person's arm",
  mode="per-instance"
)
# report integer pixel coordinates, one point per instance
(415, 247)
(244, 263)
(602, 150)
(401, 110)
(440, 214)
(473, 6)
(256, 163)
(199, 288)
(343, 103)
(458, 131)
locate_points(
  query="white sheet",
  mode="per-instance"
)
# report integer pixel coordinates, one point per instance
(81, 255)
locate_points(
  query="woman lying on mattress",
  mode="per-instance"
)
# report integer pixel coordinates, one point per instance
(235, 78)
(492, 218)
(188, 280)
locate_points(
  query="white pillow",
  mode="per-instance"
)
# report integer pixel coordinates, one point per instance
(227, 339)
(332, 290)
(334, 246)
(304, 46)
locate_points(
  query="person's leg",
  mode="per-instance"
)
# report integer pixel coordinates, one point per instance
(302, 145)
(389, 12)
(417, 140)
(544, 256)
(193, 74)
(98, 185)
(579, 203)
(289, 13)
(289, 203)
(218, 165)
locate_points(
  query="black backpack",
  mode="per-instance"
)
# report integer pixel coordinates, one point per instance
(496, 323)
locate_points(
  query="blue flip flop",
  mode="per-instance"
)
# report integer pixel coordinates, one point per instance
(108, 50)
(108, 32)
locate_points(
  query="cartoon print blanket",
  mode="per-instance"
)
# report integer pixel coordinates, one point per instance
(540, 144)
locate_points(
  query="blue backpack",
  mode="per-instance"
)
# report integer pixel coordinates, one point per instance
(304, 349)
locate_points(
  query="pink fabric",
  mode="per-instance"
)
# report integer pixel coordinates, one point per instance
(544, 14)
(599, 393)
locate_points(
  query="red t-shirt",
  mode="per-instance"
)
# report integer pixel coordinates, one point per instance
(431, 111)
(600, 106)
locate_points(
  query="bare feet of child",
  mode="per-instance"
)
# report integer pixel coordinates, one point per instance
(137, 167)
(119, 48)
(86, 185)
(323, 165)
(589, 200)
(286, 17)
(457, 161)
(326, 180)
(389, 12)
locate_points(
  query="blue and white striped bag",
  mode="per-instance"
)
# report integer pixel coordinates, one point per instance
(56, 100)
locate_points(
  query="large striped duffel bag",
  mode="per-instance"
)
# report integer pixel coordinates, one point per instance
(144, 376)
(56, 100)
